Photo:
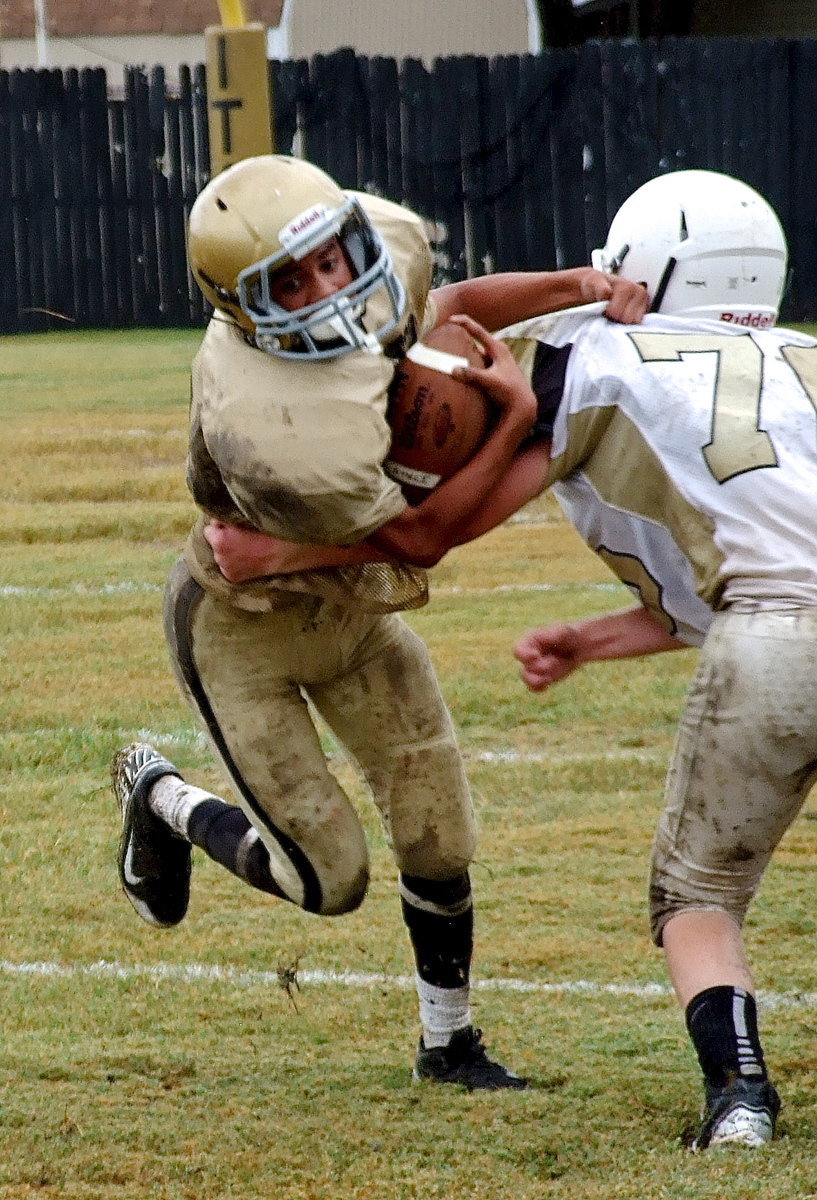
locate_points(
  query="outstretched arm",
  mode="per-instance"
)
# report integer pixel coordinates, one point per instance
(553, 652)
(421, 535)
(480, 496)
(499, 300)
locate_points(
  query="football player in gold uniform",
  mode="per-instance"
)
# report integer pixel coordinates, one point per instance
(316, 293)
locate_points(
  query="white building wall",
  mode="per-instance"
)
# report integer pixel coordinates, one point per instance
(425, 29)
(112, 53)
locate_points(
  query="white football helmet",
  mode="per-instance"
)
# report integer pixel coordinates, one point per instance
(260, 215)
(704, 244)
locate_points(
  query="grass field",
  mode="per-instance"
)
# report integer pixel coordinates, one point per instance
(187, 1065)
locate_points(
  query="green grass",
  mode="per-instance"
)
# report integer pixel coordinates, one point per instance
(140, 1065)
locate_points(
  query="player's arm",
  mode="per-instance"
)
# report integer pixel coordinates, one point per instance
(242, 554)
(524, 481)
(422, 534)
(553, 652)
(499, 300)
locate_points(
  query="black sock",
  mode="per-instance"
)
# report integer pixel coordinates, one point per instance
(221, 831)
(722, 1022)
(439, 916)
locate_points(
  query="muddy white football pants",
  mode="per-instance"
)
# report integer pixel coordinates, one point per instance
(744, 762)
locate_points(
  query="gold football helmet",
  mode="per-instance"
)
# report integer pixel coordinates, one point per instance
(260, 215)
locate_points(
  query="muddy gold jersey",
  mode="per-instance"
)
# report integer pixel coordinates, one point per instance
(686, 455)
(295, 449)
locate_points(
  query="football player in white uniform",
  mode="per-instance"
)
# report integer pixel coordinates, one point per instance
(316, 293)
(685, 451)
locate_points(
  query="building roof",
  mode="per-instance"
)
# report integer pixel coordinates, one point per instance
(78, 18)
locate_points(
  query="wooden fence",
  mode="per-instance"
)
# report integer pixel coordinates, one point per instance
(515, 162)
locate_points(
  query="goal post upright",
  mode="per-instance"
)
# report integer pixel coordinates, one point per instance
(239, 100)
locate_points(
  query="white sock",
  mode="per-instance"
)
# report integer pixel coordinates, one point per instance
(442, 1012)
(173, 801)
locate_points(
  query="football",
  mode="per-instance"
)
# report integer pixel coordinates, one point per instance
(438, 422)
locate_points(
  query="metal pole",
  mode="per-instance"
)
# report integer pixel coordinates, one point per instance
(233, 13)
(41, 33)
(534, 28)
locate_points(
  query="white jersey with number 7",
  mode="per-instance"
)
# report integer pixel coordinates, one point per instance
(703, 430)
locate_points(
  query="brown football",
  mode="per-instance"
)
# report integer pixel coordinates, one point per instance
(438, 422)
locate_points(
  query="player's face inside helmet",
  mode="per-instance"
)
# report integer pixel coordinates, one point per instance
(309, 298)
(313, 278)
(265, 215)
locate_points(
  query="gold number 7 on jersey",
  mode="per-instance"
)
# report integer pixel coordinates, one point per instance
(737, 443)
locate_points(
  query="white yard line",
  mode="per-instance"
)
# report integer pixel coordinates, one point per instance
(553, 758)
(591, 586)
(194, 973)
(192, 738)
(10, 591)
(19, 591)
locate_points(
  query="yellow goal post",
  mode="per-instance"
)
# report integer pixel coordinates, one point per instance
(239, 100)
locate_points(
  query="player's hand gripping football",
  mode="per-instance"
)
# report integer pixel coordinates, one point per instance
(501, 378)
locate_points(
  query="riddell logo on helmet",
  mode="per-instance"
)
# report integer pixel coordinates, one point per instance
(756, 320)
(305, 220)
(306, 231)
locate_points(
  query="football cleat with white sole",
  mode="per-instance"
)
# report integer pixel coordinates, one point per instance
(742, 1113)
(464, 1061)
(154, 863)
